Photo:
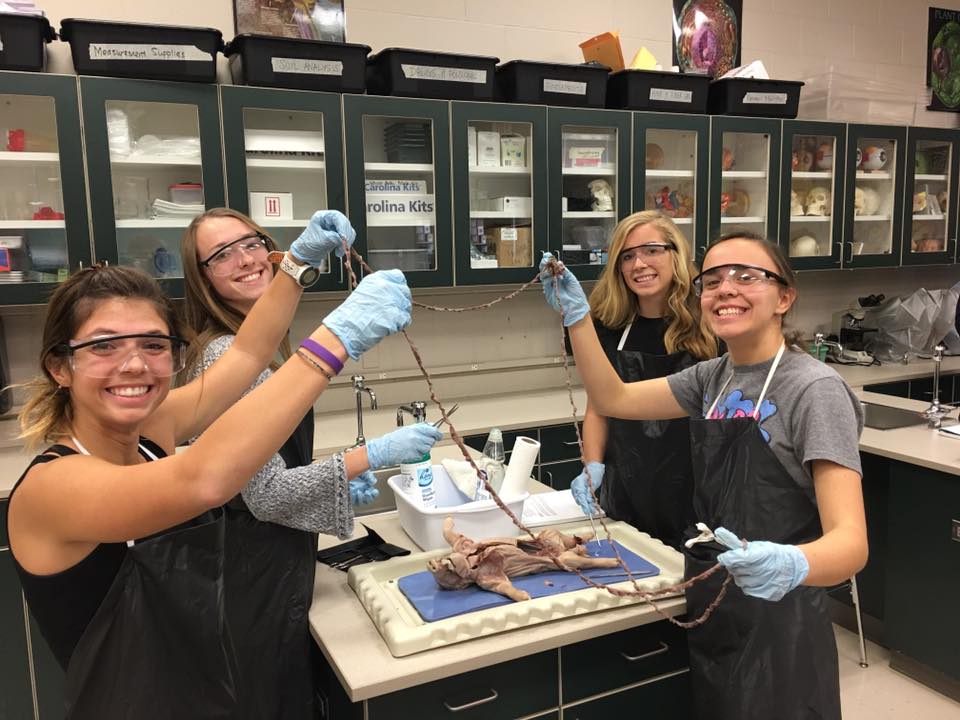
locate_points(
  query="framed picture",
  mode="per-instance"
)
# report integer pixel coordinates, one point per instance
(707, 35)
(943, 59)
(303, 19)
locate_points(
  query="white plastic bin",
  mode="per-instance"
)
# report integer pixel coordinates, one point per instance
(187, 193)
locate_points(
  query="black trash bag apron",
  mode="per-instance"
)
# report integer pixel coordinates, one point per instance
(648, 477)
(754, 658)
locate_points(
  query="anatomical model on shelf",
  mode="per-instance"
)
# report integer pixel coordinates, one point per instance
(728, 160)
(655, 156)
(817, 201)
(804, 246)
(866, 201)
(926, 245)
(873, 158)
(796, 207)
(824, 157)
(802, 158)
(602, 195)
(735, 203)
(672, 203)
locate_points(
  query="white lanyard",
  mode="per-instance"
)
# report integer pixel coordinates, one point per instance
(763, 392)
(623, 338)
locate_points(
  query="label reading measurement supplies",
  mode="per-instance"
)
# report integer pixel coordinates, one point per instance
(306, 66)
(430, 72)
(129, 51)
(567, 87)
(761, 98)
(668, 95)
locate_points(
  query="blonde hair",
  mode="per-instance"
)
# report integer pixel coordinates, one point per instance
(614, 305)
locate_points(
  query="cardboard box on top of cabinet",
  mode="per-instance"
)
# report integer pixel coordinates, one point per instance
(271, 205)
(512, 246)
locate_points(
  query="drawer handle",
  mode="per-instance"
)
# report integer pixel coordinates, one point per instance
(572, 442)
(659, 651)
(476, 703)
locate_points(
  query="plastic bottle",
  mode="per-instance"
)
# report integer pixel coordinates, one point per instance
(493, 449)
(420, 473)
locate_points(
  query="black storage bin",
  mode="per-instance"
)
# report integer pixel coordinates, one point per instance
(300, 64)
(24, 41)
(427, 74)
(138, 50)
(754, 97)
(657, 90)
(540, 83)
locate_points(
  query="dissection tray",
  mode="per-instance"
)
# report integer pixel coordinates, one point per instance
(405, 633)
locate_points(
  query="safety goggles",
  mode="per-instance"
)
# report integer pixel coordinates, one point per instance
(225, 260)
(650, 251)
(106, 355)
(742, 276)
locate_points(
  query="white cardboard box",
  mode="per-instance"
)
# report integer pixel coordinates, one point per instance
(271, 206)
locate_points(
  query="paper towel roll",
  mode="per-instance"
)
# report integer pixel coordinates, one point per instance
(522, 460)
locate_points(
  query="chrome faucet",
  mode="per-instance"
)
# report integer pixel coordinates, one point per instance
(417, 410)
(359, 389)
(819, 340)
(936, 412)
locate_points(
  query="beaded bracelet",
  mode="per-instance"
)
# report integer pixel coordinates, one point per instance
(321, 352)
(317, 365)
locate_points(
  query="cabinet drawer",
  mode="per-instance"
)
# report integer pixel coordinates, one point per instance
(508, 690)
(559, 475)
(558, 442)
(612, 661)
(667, 699)
(4, 540)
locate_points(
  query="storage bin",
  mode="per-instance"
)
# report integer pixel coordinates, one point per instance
(657, 90)
(300, 64)
(428, 74)
(23, 41)
(186, 193)
(525, 81)
(754, 97)
(138, 50)
(589, 150)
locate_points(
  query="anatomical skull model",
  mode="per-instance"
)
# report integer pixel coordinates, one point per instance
(602, 195)
(818, 201)
(804, 246)
(866, 201)
(796, 208)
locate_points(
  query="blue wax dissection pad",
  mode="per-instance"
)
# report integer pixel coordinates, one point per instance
(434, 603)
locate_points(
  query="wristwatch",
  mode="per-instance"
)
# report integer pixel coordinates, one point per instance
(305, 275)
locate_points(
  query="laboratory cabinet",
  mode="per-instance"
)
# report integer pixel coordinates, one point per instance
(284, 161)
(588, 159)
(812, 167)
(930, 205)
(499, 191)
(398, 185)
(671, 170)
(154, 162)
(43, 199)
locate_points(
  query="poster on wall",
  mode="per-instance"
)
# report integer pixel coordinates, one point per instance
(302, 19)
(943, 59)
(707, 35)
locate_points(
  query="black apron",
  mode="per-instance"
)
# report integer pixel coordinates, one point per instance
(269, 573)
(648, 481)
(754, 658)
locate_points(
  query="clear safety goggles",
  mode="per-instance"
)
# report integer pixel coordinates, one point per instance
(742, 276)
(104, 356)
(225, 260)
(650, 251)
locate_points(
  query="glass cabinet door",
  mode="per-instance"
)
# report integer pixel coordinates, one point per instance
(744, 167)
(930, 236)
(874, 200)
(811, 204)
(278, 168)
(499, 181)
(670, 159)
(43, 218)
(589, 184)
(399, 179)
(155, 151)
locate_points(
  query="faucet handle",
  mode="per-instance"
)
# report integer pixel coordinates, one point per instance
(938, 352)
(358, 381)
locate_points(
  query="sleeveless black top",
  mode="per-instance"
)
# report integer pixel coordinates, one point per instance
(64, 603)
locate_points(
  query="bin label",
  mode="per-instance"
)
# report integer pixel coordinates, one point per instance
(567, 87)
(508, 234)
(306, 66)
(764, 98)
(670, 95)
(141, 51)
(446, 74)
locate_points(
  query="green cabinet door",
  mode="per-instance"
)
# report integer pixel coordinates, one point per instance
(588, 159)
(744, 176)
(284, 159)
(930, 206)
(154, 160)
(43, 199)
(812, 172)
(873, 195)
(398, 185)
(499, 191)
(16, 693)
(671, 156)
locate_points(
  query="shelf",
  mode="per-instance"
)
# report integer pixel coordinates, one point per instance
(670, 173)
(496, 215)
(29, 157)
(595, 170)
(682, 221)
(809, 218)
(385, 167)
(32, 224)
(930, 178)
(871, 218)
(744, 219)
(497, 171)
(286, 164)
(409, 220)
(589, 214)
(917, 218)
(744, 174)
(877, 175)
(812, 174)
(142, 160)
(141, 223)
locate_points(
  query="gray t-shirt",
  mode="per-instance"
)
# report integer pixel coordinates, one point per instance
(809, 412)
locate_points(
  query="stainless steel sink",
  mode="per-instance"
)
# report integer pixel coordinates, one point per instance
(881, 417)
(385, 500)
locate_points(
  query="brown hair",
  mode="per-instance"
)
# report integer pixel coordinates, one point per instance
(614, 305)
(207, 315)
(47, 414)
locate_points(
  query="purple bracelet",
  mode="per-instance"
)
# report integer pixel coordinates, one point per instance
(321, 352)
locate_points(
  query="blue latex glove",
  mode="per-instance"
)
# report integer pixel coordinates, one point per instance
(762, 569)
(323, 236)
(379, 306)
(581, 493)
(572, 299)
(403, 445)
(362, 490)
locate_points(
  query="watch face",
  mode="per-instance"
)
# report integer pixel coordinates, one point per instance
(309, 276)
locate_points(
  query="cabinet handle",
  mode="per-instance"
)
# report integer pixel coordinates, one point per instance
(659, 651)
(848, 259)
(476, 703)
(571, 442)
(549, 477)
(952, 249)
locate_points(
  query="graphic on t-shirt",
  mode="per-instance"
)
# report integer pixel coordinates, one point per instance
(737, 406)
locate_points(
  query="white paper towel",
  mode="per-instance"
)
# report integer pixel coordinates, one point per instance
(522, 460)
